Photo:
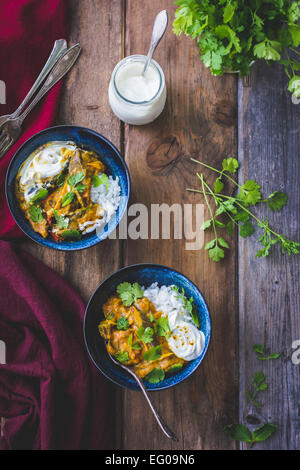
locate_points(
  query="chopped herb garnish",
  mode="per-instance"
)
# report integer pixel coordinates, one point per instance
(175, 368)
(61, 222)
(71, 235)
(61, 178)
(75, 179)
(129, 293)
(145, 334)
(40, 195)
(122, 323)
(155, 376)
(98, 180)
(81, 187)
(67, 199)
(153, 354)
(136, 346)
(163, 327)
(188, 304)
(122, 356)
(36, 214)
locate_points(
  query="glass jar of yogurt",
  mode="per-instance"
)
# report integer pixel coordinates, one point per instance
(136, 98)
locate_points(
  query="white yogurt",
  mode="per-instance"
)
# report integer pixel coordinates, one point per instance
(133, 97)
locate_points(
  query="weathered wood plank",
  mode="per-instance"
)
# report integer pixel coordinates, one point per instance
(97, 26)
(199, 120)
(269, 144)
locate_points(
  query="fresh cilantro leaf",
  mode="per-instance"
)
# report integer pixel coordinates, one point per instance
(61, 221)
(67, 199)
(122, 323)
(246, 229)
(61, 178)
(122, 356)
(136, 346)
(175, 368)
(206, 224)
(152, 318)
(153, 354)
(262, 355)
(137, 291)
(36, 214)
(155, 376)
(71, 235)
(241, 433)
(238, 432)
(40, 195)
(276, 200)
(163, 327)
(98, 180)
(230, 164)
(145, 334)
(219, 185)
(81, 187)
(250, 192)
(263, 432)
(129, 293)
(75, 179)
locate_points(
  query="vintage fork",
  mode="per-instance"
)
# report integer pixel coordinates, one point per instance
(60, 46)
(160, 421)
(11, 128)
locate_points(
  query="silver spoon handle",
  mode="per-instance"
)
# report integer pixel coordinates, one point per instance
(166, 430)
(159, 28)
(60, 69)
(60, 46)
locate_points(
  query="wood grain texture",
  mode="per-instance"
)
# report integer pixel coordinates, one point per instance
(199, 120)
(97, 26)
(269, 146)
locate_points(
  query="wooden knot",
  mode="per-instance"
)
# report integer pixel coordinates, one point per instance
(163, 153)
(224, 114)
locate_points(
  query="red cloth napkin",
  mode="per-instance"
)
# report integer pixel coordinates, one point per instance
(52, 394)
(28, 30)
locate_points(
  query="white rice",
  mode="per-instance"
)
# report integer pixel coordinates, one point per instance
(108, 198)
(165, 299)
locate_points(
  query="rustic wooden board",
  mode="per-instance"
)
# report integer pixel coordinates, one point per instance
(96, 26)
(269, 145)
(199, 120)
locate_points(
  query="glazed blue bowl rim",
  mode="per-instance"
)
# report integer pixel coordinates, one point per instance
(57, 127)
(145, 265)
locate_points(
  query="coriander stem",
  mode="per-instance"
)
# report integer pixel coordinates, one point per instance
(209, 208)
(216, 200)
(217, 171)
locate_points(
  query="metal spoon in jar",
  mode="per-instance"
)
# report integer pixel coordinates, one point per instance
(159, 28)
(160, 421)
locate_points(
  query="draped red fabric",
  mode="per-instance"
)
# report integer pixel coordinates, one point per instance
(50, 393)
(28, 30)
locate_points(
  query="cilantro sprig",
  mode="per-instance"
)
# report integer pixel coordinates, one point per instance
(240, 432)
(155, 376)
(129, 293)
(122, 323)
(188, 304)
(262, 355)
(237, 210)
(231, 35)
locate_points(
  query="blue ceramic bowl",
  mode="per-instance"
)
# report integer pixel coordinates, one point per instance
(90, 140)
(144, 274)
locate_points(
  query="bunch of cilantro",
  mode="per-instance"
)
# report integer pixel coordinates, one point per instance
(231, 34)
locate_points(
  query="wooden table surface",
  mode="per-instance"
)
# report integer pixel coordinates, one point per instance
(251, 300)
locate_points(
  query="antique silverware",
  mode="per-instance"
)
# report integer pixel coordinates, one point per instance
(60, 46)
(12, 126)
(159, 28)
(160, 421)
